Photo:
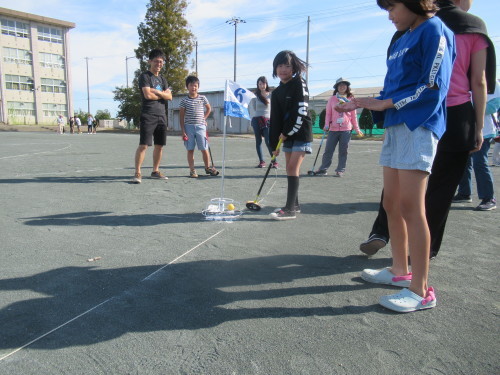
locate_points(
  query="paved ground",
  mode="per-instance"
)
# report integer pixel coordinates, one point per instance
(175, 294)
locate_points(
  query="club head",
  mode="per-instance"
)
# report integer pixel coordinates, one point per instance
(311, 173)
(254, 206)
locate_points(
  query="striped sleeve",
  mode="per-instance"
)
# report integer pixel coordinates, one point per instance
(428, 78)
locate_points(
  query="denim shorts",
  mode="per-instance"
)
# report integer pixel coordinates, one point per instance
(197, 135)
(297, 146)
(406, 149)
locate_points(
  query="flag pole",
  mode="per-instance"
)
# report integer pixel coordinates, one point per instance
(223, 159)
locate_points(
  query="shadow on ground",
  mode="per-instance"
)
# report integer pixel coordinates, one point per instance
(105, 218)
(184, 296)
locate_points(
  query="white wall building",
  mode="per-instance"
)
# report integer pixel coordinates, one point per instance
(215, 120)
(35, 76)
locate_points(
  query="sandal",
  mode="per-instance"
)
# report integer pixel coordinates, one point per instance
(385, 276)
(212, 171)
(407, 301)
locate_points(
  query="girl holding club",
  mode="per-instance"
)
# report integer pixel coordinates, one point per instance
(413, 104)
(290, 123)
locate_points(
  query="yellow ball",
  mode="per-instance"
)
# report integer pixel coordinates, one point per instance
(230, 207)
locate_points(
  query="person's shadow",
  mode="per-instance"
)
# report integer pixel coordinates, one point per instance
(191, 295)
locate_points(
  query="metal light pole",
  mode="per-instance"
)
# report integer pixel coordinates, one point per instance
(88, 87)
(235, 21)
(196, 60)
(307, 53)
(126, 66)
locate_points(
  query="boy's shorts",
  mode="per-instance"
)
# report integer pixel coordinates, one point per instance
(291, 145)
(197, 135)
(406, 149)
(153, 127)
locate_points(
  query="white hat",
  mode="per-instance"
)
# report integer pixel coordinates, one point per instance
(339, 81)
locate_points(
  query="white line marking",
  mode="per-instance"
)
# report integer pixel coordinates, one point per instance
(26, 144)
(53, 330)
(186, 253)
(35, 153)
(106, 301)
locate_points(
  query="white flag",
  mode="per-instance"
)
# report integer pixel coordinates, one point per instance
(236, 100)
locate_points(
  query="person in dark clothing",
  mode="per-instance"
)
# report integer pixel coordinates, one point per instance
(290, 123)
(153, 124)
(474, 71)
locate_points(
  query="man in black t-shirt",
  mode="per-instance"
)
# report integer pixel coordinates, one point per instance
(153, 123)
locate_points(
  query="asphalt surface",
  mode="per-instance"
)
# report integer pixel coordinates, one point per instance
(168, 292)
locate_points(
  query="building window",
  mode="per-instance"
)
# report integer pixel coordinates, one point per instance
(15, 28)
(53, 85)
(53, 110)
(50, 60)
(20, 109)
(17, 56)
(50, 34)
(13, 82)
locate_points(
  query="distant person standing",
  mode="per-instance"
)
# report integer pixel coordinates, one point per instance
(260, 111)
(339, 126)
(479, 162)
(78, 123)
(94, 125)
(60, 123)
(153, 123)
(90, 121)
(194, 110)
(71, 125)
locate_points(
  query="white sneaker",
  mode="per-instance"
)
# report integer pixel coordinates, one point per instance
(407, 301)
(385, 276)
(283, 215)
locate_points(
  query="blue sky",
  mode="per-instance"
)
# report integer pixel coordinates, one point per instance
(347, 39)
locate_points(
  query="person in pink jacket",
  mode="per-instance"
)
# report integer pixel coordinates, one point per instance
(339, 126)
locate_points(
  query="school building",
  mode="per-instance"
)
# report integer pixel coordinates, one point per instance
(35, 76)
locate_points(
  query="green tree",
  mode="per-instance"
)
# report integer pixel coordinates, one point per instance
(322, 117)
(130, 103)
(313, 115)
(366, 120)
(102, 114)
(166, 28)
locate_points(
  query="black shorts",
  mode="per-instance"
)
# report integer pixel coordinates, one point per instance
(153, 127)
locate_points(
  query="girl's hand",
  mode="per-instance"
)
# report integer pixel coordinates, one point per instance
(360, 133)
(479, 142)
(374, 104)
(346, 107)
(283, 139)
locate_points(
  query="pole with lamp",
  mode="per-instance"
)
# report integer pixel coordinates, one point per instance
(126, 66)
(235, 21)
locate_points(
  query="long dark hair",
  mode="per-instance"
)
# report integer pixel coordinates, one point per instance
(258, 93)
(424, 8)
(299, 66)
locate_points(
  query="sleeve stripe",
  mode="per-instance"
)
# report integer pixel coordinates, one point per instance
(436, 64)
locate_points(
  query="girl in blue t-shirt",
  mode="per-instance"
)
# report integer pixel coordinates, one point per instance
(413, 104)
